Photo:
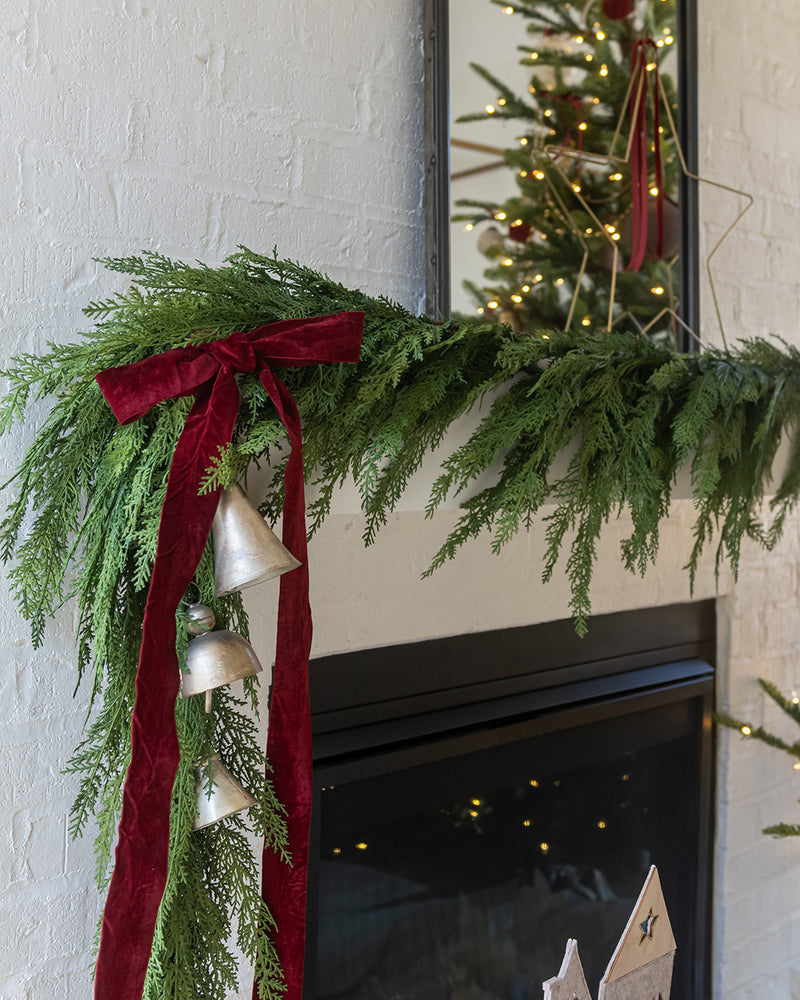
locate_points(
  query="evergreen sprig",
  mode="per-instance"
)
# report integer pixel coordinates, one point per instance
(790, 708)
(83, 520)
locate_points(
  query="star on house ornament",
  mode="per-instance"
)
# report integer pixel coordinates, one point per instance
(645, 83)
(641, 966)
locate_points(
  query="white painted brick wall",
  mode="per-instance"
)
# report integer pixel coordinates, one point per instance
(191, 128)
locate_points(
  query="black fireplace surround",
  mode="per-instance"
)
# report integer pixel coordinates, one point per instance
(480, 799)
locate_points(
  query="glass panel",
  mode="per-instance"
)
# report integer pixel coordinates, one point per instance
(464, 878)
(555, 74)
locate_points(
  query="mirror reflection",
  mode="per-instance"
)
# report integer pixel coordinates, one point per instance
(564, 164)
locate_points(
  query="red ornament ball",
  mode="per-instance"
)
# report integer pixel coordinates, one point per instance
(520, 232)
(617, 10)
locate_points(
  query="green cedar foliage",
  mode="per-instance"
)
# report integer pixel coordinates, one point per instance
(82, 523)
(792, 710)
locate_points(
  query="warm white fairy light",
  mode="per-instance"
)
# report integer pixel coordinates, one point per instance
(611, 229)
(604, 70)
(517, 222)
(579, 39)
(615, 177)
(490, 109)
(523, 173)
(589, 57)
(501, 101)
(576, 188)
(538, 277)
(481, 310)
(548, 113)
(545, 336)
(746, 730)
(651, 67)
(586, 321)
(583, 126)
(588, 231)
(795, 698)
(559, 281)
(526, 822)
(600, 36)
(475, 802)
(796, 765)
(500, 216)
(523, 141)
(493, 304)
(468, 228)
(654, 191)
(473, 813)
(601, 824)
(516, 298)
(533, 783)
(669, 39)
(657, 290)
(337, 850)
(615, 236)
(544, 847)
(507, 262)
(361, 846)
(534, 55)
(526, 288)
(539, 175)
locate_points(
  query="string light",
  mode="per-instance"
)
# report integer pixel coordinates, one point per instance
(559, 281)
(588, 230)
(796, 765)
(654, 191)
(516, 298)
(626, 777)
(500, 216)
(583, 126)
(537, 277)
(523, 141)
(490, 109)
(481, 310)
(501, 101)
(544, 847)
(517, 222)
(615, 236)
(526, 288)
(600, 36)
(545, 336)
(469, 227)
(579, 39)
(586, 321)
(473, 813)
(534, 55)
(548, 113)
(576, 188)
(651, 67)
(746, 730)
(795, 698)
(526, 822)
(611, 229)
(475, 802)
(615, 177)
(601, 824)
(604, 70)
(657, 290)
(337, 850)
(669, 39)
(589, 57)
(362, 846)
(539, 175)
(492, 304)
(507, 262)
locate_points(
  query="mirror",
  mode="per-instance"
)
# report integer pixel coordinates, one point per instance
(560, 137)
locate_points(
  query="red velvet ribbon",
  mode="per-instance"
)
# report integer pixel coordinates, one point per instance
(640, 57)
(208, 372)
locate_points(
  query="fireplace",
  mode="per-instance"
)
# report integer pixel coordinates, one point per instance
(482, 798)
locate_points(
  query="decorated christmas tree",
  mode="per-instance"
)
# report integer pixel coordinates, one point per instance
(600, 90)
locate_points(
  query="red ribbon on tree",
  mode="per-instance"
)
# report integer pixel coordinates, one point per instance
(640, 59)
(208, 372)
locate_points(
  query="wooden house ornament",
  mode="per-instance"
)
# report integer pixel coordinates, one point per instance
(641, 966)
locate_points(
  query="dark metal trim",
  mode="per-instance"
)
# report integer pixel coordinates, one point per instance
(688, 197)
(437, 158)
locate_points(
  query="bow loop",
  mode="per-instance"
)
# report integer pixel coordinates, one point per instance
(236, 352)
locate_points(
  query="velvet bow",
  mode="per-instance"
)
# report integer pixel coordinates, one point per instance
(208, 372)
(643, 50)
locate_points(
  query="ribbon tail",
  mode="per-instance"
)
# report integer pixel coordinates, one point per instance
(289, 735)
(140, 871)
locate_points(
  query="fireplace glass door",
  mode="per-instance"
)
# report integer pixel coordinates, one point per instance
(456, 867)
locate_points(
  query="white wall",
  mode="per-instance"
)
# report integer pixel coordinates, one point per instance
(191, 128)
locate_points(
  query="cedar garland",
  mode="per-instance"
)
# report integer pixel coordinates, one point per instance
(634, 412)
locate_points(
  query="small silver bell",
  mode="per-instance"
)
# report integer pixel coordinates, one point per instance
(246, 550)
(227, 795)
(217, 658)
(201, 619)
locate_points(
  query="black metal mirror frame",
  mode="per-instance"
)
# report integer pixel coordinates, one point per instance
(437, 160)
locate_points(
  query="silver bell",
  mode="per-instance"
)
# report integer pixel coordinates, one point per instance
(246, 550)
(217, 658)
(227, 795)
